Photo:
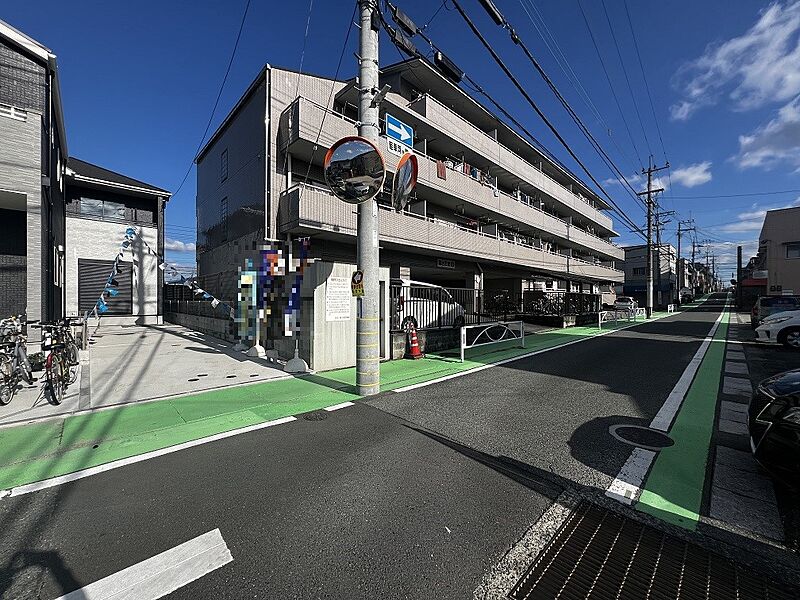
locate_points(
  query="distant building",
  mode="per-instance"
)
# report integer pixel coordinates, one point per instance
(778, 259)
(62, 219)
(665, 285)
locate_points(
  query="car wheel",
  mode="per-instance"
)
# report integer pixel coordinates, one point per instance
(458, 322)
(790, 338)
(406, 321)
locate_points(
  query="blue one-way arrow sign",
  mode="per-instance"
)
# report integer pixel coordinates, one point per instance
(399, 131)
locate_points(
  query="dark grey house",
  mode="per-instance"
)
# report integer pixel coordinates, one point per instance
(62, 219)
(33, 149)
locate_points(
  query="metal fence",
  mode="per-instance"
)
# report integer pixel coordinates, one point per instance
(430, 307)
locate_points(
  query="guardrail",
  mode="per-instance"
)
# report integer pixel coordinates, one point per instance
(605, 316)
(670, 308)
(491, 333)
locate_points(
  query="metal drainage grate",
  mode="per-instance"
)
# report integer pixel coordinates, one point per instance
(601, 555)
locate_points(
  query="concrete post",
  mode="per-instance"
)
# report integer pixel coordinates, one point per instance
(368, 316)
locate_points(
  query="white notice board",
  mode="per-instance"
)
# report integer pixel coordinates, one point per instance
(338, 299)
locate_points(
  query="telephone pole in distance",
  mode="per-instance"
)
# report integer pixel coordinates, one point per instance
(650, 203)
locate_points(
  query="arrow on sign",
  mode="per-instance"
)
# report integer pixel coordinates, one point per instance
(399, 129)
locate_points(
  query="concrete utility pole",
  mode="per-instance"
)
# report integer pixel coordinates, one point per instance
(739, 277)
(694, 268)
(368, 340)
(659, 226)
(681, 231)
(650, 205)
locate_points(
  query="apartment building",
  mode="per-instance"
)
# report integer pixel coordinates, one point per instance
(778, 259)
(491, 211)
(665, 274)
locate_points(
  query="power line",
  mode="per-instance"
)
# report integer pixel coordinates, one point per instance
(219, 94)
(573, 115)
(771, 193)
(569, 72)
(644, 77)
(627, 79)
(610, 85)
(539, 112)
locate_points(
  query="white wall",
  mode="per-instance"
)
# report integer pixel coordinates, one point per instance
(99, 240)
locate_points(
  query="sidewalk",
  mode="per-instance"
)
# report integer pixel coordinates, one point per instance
(41, 450)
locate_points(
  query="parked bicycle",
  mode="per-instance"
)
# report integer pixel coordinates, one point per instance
(14, 364)
(61, 358)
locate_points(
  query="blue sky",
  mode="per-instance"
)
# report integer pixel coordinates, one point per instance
(139, 81)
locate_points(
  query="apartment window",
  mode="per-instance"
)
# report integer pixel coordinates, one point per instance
(223, 165)
(793, 250)
(223, 218)
(12, 112)
(639, 270)
(102, 209)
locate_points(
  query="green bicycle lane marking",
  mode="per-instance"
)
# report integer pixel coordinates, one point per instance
(38, 451)
(673, 490)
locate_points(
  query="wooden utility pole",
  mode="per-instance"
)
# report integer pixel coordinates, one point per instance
(650, 202)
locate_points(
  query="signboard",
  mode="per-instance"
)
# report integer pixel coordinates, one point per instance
(443, 263)
(760, 274)
(357, 284)
(337, 300)
(399, 131)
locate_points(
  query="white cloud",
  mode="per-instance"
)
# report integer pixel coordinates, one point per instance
(760, 66)
(693, 175)
(752, 220)
(179, 246)
(638, 182)
(776, 142)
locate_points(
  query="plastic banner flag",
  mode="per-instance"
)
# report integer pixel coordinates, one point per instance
(102, 308)
(130, 231)
(215, 303)
(112, 292)
(162, 266)
(198, 291)
(206, 295)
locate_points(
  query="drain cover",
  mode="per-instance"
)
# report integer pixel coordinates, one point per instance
(230, 376)
(317, 415)
(643, 437)
(602, 555)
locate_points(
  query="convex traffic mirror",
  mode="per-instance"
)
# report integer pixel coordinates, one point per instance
(405, 178)
(354, 170)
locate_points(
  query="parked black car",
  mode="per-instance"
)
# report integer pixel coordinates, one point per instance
(774, 418)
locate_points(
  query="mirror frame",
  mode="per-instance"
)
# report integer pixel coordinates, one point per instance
(336, 146)
(408, 157)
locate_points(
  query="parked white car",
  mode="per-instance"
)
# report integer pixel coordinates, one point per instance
(423, 304)
(624, 303)
(781, 328)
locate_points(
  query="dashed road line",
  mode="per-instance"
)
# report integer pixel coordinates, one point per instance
(161, 574)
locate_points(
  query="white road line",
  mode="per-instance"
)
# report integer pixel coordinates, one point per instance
(626, 486)
(520, 357)
(161, 574)
(338, 406)
(61, 479)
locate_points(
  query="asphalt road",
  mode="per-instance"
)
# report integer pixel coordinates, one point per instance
(411, 495)
(550, 413)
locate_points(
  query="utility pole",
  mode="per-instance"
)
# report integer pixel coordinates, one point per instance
(681, 231)
(368, 317)
(739, 277)
(659, 226)
(650, 205)
(694, 267)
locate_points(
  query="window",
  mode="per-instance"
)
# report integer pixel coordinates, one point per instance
(223, 165)
(102, 209)
(639, 270)
(223, 218)
(793, 250)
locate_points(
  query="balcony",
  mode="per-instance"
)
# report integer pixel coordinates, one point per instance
(301, 123)
(455, 126)
(306, 209)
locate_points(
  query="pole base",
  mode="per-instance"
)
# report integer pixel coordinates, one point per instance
(256, 351)
(296, 364)
(240, 346)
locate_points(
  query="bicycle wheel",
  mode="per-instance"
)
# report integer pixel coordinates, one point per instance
(7, 387)
(24, 365)
(72, 353)
(55, 377)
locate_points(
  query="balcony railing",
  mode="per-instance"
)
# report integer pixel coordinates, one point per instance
(307, 208)
(302, 121)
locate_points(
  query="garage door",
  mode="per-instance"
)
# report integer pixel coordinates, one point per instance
(92, 278)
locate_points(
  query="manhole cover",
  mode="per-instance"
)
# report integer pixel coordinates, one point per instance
(642, 437)
(317, 415)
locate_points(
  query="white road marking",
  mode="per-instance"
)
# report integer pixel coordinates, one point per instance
(61, 479)
(338, 406)
(161, 574)
(520, 357)
(626, 486)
